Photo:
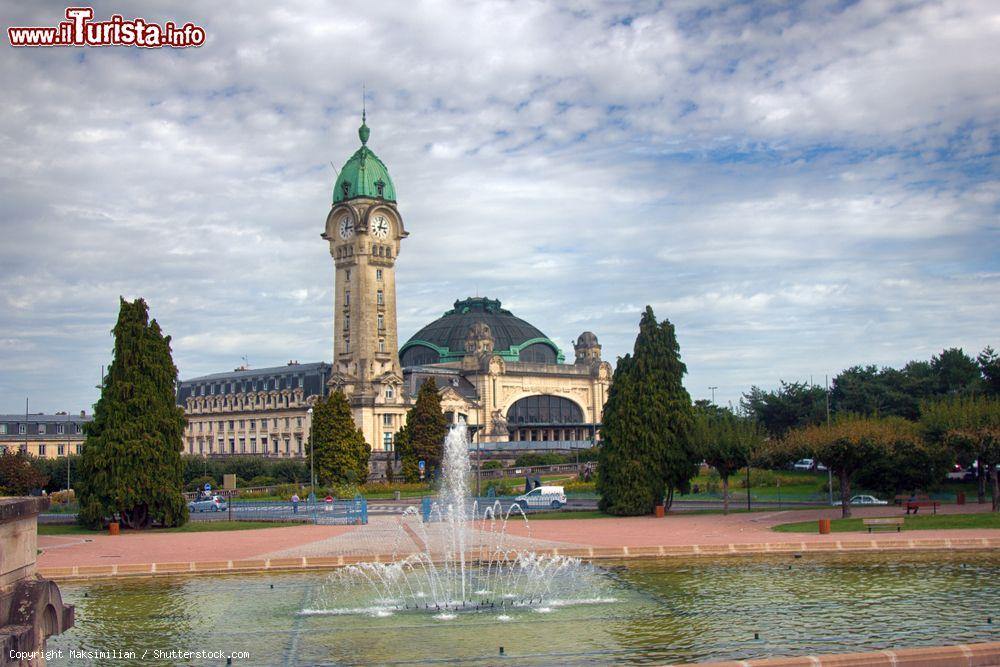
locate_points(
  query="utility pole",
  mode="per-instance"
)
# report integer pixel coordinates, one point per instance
(68, 424)
(25, 425)
(713, 393)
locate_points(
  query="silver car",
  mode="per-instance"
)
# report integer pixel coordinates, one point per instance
(213, 504)
(863, 500)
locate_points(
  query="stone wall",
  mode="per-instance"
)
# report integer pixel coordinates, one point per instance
(31, 608)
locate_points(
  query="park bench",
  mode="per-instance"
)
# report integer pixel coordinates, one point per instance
(884, 522)
(914, 503)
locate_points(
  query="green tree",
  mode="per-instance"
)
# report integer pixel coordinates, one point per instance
(955, 372)
(850, 444)
(726, 442)
(792, 405)
(970, 427)
(341, 453)
(647, 445)
(131, 460)
(18, 477)
(989, 366)
(422, 437)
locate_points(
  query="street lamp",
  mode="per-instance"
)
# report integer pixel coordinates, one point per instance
(312, 469)
(713, 393)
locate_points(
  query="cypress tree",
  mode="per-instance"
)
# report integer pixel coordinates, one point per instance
(647, 449)
(422, 438)
(131, 461)
(341, 453)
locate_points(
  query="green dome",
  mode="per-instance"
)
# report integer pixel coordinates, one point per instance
(364, 174)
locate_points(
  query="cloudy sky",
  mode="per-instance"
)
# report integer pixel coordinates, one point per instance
(797, 186)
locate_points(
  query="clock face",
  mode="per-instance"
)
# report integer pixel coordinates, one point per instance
(346, 227)
(380, 227)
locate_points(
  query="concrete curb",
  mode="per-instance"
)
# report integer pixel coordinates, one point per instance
(963, 655)
(306, 563)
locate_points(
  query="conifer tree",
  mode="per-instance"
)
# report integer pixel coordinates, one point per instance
(131, 461)
(341, 453)
(647, 446)
(422, 438)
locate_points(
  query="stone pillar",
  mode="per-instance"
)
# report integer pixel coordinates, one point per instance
(31, 608)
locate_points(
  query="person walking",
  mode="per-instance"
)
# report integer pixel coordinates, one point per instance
(295, 503)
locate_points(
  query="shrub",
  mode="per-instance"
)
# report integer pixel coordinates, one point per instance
(262, 480)
(199, 483)
(493, 465)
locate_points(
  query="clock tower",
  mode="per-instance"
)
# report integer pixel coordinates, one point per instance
(364, 230)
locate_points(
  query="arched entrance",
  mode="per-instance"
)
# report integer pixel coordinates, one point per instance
(546, 417)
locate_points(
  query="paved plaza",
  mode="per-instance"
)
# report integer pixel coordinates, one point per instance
(384, 536)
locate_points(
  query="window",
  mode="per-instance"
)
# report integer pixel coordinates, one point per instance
(347, 346)
(347, 322)
(263, 424)
(287, 446)
(232, 445)
(3, 429)
(243, 446)
(242, 423)
(23, 449)
(60, 429)
(41, 429)
(78, 447)
(274, 422)
(22, 429)
(347, 275)
(380, 298)
(200, 427)
(387, 441)
(60, 450)
(41, 450)
(253, 424)
(387, 420)
(381, 321)
(378, 274)
(276, 446)
(381, 345)
(253, 445)
(287, 422)
(232, 424)
(298, 442)
(298, 422)
(347, 298)
(389, 393)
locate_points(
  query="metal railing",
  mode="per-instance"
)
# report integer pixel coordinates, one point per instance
(342, 512)
(478, 507)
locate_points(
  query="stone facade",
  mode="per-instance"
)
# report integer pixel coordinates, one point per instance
(31, 608)
(364, 236)
(263, 412)
(42, 435)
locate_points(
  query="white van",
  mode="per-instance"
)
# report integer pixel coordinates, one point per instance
(552, 497)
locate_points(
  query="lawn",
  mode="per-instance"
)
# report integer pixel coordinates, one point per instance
(189, 527)
(914, 522)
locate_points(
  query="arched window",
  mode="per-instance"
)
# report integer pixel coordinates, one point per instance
(544, 410)
(418, 355)
(538, 353)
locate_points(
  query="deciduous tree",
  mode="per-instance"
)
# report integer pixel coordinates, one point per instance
(970, 427)
(726, 442)
(18, 477)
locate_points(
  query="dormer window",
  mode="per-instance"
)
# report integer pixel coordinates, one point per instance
(380, 186)
(345, 187)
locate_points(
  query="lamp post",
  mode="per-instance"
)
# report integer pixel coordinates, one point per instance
(312, 469)
(713, 393)
(68, 425)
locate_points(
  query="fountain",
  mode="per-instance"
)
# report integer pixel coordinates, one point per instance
(464, 559)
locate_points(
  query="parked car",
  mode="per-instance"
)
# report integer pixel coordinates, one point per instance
(213, 504)
(803, 464)
(863, 500)
(552, 497)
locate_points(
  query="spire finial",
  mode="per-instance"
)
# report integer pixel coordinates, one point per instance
(363, 131)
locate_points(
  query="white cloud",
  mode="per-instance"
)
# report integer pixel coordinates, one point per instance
(798, 188)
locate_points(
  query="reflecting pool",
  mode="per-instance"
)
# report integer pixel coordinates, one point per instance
(640, 613)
